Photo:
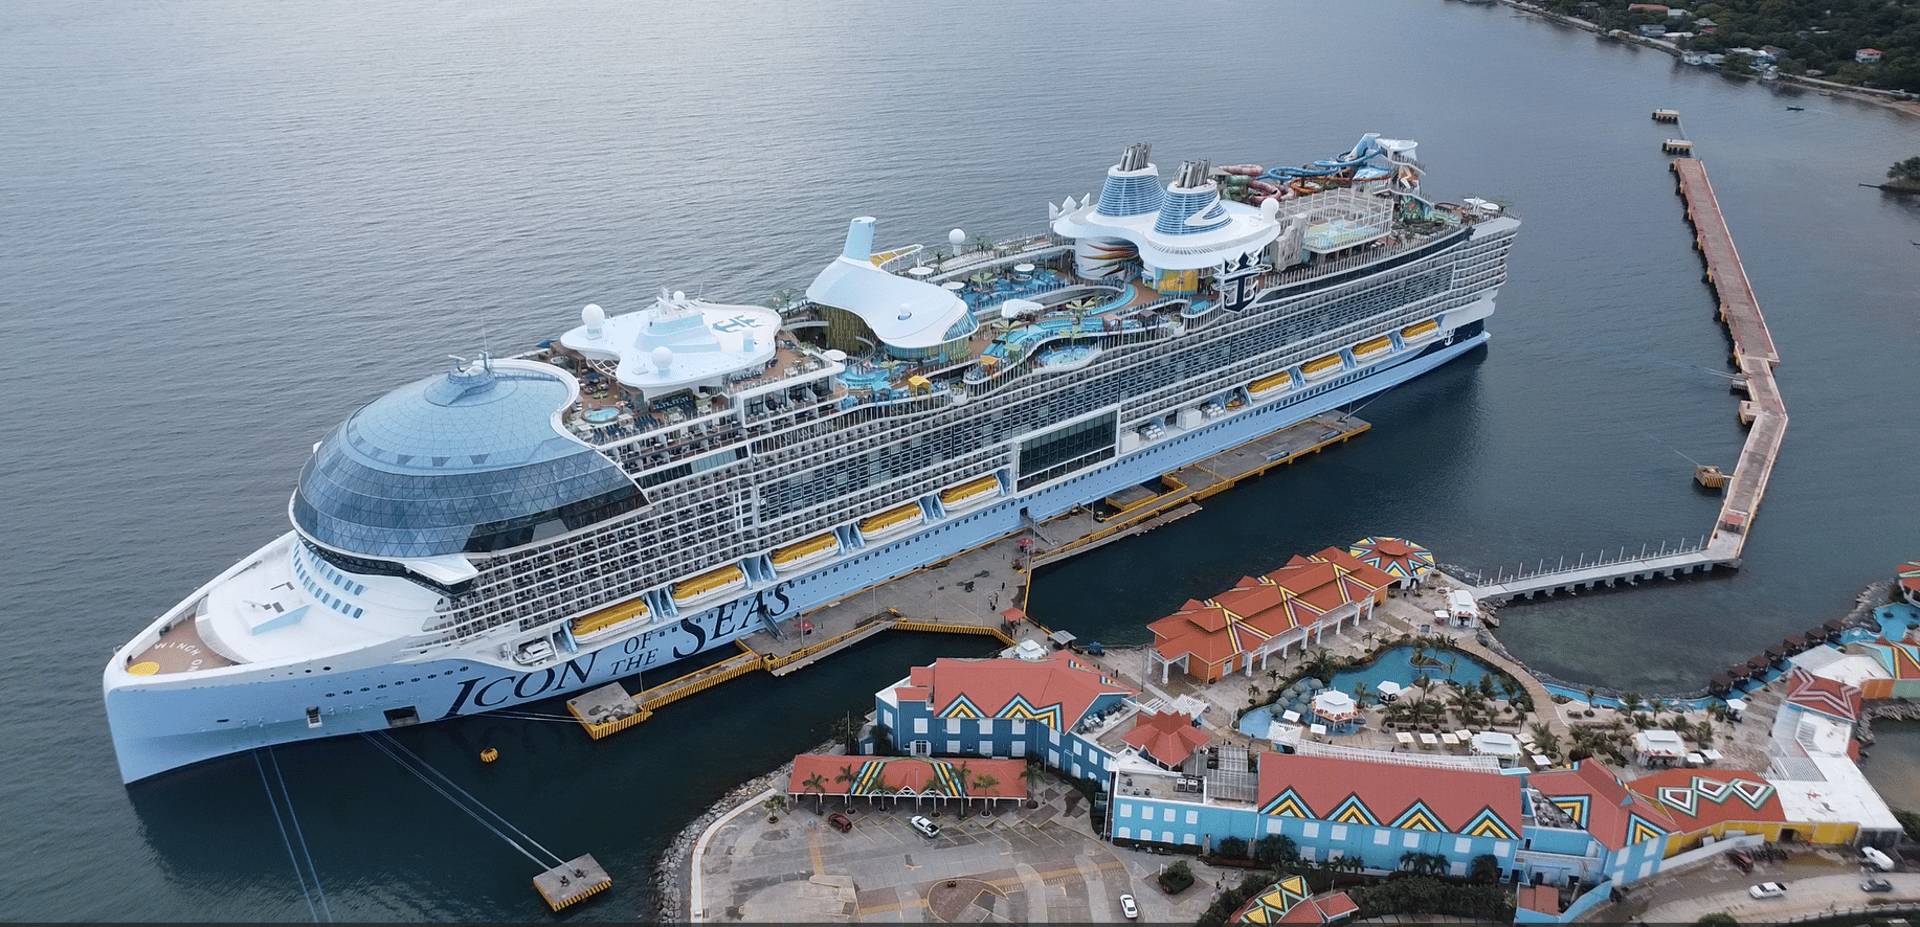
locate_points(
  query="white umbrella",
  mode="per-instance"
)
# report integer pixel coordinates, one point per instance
(1335, 705)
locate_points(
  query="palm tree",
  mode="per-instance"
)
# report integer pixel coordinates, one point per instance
(847, 776)
(982, 242)
(985, 783)
(1630, 702)
(817, 784)
(983, 279)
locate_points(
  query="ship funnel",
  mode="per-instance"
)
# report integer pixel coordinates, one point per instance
(859, 240)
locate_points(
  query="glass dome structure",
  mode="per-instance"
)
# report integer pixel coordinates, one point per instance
(468, 461)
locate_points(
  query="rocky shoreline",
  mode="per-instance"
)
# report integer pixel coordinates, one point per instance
(673, 873)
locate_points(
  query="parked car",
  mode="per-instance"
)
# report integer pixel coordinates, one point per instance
(921, 824)
(1768, 890)
(1128, 908)
(1876, 885)
(840, 822)
(1877, 859)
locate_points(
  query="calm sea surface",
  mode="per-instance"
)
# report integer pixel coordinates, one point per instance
(226, 225)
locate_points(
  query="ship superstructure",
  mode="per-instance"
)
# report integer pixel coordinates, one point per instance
(652, 484)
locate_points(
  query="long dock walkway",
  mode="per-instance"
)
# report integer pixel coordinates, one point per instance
(1763, 411)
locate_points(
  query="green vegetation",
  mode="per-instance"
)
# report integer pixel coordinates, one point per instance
(1420, 894)
(1905, 175)
(1178, 877)
(1819, 36)
(1909, 822)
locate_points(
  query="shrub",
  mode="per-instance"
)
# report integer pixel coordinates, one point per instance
(1178, 877)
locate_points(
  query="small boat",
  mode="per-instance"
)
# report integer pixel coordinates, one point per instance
(594, 624)
(1796, 108)
(1321, 368)
(708, 584)
(1270, 385)
(1373, 349)
(892, 521)
(970, 494)
(802, 554)
(1420, 333)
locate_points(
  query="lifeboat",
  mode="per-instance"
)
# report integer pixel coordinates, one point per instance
(1267, 387)
(1318, 369)
(1366, 352)
(799, 556)
(708, 584)
(1420, 333)
(969, 494)
(892, 521)
(595, 624)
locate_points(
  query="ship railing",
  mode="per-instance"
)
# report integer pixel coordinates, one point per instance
(1002, 252)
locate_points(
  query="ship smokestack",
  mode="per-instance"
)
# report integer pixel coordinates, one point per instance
(859, 240)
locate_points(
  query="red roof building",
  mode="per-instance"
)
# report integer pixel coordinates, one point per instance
(1700, 802)
(1287, 902)
(1267, 616)
(1166, 737)
(1598, 802)
(1468, 802)
(899, 777)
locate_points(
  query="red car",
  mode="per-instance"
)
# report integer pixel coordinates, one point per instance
(840, 822)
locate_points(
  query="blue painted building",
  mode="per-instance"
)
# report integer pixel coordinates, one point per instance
(1047, 709)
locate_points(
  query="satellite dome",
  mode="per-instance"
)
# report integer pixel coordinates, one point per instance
(593, 317)
(957, 237)
(663, 358)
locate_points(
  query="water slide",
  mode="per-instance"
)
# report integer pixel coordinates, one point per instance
(1358, 160)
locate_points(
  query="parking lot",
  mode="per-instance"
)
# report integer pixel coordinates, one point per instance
(1019, 865)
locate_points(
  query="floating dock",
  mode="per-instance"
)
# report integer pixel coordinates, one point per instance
(1763, 412)
(1666, 115)
(571, 882)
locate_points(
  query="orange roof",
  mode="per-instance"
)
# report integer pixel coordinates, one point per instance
(1169, 737)
(1542, 898)
(1699, 798)
(1829, 697)
(1386, 795)
(1602, 805)
(1056, 691)
(1259, 608)
(863, 775)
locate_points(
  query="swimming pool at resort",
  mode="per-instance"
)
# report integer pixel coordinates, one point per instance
(1394, 664)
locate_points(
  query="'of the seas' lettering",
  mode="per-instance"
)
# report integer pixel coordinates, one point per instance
(730, 620)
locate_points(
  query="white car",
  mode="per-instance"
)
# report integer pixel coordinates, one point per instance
(921, 824)
(1128, 908)
(1768, 890)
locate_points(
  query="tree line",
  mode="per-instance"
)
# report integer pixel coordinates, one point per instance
(1820, 37)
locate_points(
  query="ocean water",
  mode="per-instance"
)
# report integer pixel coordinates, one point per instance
(224, 226)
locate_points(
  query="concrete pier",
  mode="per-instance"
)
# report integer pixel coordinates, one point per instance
(1763, 412)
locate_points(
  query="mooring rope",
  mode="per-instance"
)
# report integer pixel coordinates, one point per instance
(394, 749)
(274, 803)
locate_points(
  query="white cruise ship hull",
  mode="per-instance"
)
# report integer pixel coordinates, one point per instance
(165, 722)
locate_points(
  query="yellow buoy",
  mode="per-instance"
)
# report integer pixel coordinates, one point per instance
(489, 755)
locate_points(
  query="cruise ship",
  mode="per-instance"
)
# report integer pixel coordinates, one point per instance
(655, 483)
